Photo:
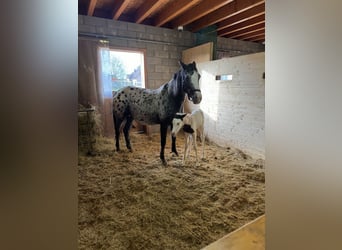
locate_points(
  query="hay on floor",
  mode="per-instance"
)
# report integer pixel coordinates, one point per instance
(131, 201)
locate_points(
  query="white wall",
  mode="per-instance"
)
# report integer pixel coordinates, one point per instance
(235, 110)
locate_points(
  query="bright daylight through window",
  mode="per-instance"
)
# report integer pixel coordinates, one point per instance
(120, 68)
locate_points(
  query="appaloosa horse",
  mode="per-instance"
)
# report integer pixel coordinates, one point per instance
(157, 106)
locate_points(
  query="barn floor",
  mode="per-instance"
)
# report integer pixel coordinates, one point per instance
(131, 201)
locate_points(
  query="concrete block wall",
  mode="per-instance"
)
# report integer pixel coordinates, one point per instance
(235, 110)
(226, 47)
(163, 47)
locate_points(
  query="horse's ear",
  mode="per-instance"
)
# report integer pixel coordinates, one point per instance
(183, 115)
(194, 65)
(182, 64)
(180, 115)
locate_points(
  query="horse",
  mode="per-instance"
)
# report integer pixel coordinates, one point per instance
(156, 106)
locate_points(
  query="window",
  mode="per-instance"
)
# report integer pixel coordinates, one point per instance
(224, 77)
(120, 68)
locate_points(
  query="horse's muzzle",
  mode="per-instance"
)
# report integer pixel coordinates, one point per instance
(197, 97)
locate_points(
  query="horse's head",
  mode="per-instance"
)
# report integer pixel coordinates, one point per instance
(191, 78)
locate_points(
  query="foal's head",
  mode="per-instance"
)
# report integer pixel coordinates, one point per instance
(191, 78)
(177, 123)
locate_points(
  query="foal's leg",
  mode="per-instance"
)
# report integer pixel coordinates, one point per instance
(203, 141)
(117, 124)
(189, 142)
(195, 143)
(163, 132)
(186, 145)
(126, 129)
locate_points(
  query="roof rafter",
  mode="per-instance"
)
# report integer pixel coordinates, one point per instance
(119, 8)
(251, 34)
(91, 7)
(247, 30)
(147, 9)
(250, 23)
(224, 12)
(250, 13)
(260, 38)
(224, 18)
(200, 10)
(176, 8)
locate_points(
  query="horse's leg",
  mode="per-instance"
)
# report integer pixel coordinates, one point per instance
(163, 132)
(174, 150)
(173, 144)
(126, 129)
(117, 124)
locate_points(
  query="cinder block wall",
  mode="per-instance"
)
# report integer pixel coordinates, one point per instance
(163, 46)
(226, 47)
(235, 110)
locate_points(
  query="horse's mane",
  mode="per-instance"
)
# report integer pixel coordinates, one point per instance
(175, 84)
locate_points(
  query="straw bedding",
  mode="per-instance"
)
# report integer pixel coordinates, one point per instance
(131, 201)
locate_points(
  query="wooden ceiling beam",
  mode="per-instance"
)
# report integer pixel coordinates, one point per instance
(198, 11)
(119, 8)
(243, 24)
(176, 8)
(224, 12)
(257, 39)
(247, 32)
(260, 38)
(91, 7)
(243, 29)
(147, 9)
(249, 35)
(256, 11)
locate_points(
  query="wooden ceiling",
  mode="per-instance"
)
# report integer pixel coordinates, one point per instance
(237, 19)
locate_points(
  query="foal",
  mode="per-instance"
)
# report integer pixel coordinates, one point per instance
(191, 123)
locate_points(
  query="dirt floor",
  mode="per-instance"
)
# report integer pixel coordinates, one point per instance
(131, 201)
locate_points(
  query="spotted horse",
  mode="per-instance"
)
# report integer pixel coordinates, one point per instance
(156, 106)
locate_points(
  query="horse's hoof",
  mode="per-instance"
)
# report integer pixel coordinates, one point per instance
(164, 162)
(174, 151)
(174, 154)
